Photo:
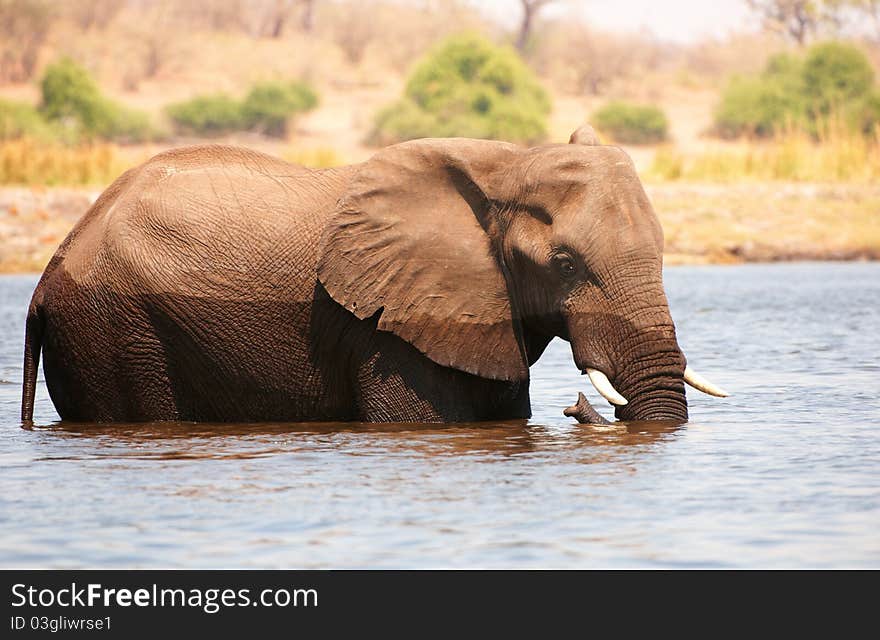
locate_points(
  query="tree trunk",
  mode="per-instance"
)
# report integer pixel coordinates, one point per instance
(307, 21)
(525, 27)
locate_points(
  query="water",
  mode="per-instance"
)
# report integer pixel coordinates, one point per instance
(785, 473)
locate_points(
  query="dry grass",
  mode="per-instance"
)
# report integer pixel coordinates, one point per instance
(839, 155)
(28, 162)
(315, 157)
(40, 164)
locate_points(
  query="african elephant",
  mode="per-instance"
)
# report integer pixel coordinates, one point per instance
(215, 283)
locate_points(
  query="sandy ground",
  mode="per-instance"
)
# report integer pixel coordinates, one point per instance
(703, 223)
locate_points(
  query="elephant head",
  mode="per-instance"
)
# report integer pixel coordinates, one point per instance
(478, 253)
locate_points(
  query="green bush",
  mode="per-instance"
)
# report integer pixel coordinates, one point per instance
(761, 105)
(269, 106)
(864, 115)
(833, 79)
(835, 75)
(758, 106)
(471, 88)
(21, 120)
(72, 109)
(405, 120)
(632, 123)
(209, 115)
(129, 125)
(73, 103)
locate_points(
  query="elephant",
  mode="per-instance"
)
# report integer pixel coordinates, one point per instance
(216, 283)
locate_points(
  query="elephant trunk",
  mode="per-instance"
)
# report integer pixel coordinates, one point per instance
(653, 386)
(635, 356)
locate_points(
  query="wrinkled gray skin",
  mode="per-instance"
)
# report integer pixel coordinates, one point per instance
(215, 283)
(583, 412)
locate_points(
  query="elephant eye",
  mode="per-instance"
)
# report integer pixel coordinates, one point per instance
(564, 264)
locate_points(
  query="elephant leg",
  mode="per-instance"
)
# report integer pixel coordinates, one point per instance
(144, 369)
(102, 359)
(397, 383)
(395, 386)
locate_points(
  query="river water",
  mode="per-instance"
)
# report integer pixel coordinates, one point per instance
(785, 473)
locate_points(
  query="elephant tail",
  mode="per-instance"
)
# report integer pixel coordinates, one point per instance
(33, 343)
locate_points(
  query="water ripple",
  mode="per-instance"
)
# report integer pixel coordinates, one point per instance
(782, 474)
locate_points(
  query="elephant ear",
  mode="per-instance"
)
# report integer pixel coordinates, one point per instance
(409, 240)
(585, 135)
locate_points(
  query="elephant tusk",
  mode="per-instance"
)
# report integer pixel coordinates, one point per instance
(701, 384)
(603, 386)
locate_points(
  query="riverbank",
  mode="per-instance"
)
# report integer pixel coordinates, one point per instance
(767, 221)
(703, 223)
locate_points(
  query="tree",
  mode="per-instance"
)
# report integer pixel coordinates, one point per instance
(276, 21)
(307, 18)
(796, 19)
(857, 9)
(88, 14)
(530, 11)
(583, 60)
(872, 9)
(24, 27)
(354, 29)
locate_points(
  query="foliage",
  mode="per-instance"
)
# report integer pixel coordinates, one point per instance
(213, 114)
(835, 74)
(467, 87)
(267, 108)
(833, 78)
(632, 123)
(19, 119)
(72, 101)
(865, 114)
(757, 106)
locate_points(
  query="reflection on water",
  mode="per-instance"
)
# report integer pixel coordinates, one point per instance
(784, 473)
(188, 441)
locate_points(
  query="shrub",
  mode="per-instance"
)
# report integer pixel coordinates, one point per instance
(269, 106)
(835, 74)
(128, 125)
(467, 87)
(757, 106)
(632, 123)
(72, 101)
(761, 105)
(19, 120)
(833, 80)
(213, 114)
(865, 114)
(404, 120)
